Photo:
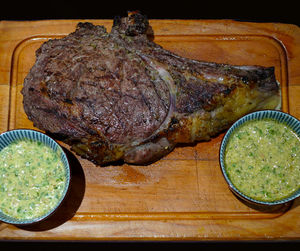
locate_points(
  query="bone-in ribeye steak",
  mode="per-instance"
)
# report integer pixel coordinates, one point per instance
(119, 95)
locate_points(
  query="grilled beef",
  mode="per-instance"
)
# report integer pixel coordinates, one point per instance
(119, 95)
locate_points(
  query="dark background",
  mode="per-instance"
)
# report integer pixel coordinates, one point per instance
(254, 11)
(284, 11)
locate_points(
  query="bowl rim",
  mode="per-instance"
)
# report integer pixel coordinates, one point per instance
(67, 167)
(222, 148)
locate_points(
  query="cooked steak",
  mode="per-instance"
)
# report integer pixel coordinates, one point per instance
(119, 95)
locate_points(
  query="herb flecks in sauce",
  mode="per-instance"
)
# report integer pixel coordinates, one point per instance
(32, 179)
(262, 160)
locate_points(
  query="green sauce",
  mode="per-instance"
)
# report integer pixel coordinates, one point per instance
(262, 159)
(32, 179)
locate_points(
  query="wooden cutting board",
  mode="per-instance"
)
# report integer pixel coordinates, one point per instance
(183, 196)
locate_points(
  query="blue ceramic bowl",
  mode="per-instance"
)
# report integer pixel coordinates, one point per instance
(279, 116)
(7, 138)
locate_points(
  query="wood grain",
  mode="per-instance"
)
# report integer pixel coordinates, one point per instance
(184, 195)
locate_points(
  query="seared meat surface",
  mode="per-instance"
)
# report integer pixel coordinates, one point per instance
(119, 95)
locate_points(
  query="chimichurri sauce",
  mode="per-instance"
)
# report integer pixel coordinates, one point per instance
(32, 179)
(262, 159)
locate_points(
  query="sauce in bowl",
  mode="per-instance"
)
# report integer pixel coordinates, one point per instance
(262, 160)
(32, 179)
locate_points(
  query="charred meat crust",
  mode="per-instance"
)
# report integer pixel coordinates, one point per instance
(133, 25)
(119, 95)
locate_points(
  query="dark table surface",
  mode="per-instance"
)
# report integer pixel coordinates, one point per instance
(284, 11)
